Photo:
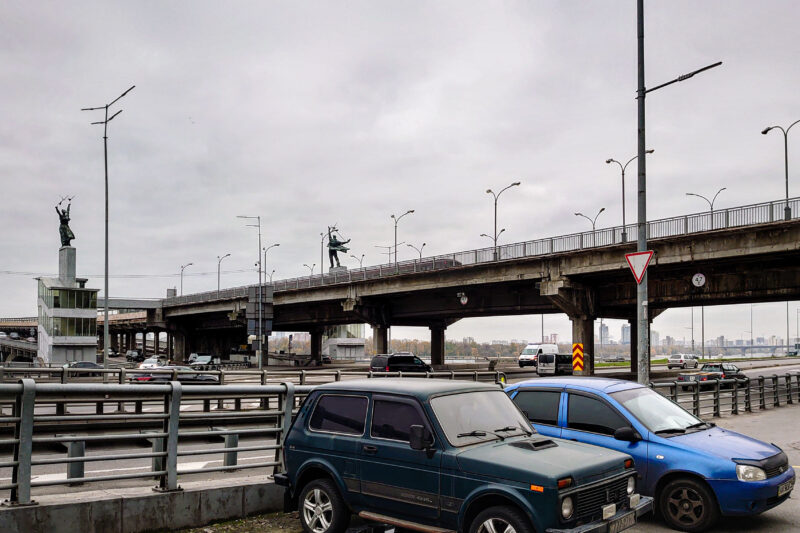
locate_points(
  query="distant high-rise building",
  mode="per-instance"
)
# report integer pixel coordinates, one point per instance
(603, 334)
(655, 338)
(625, 334)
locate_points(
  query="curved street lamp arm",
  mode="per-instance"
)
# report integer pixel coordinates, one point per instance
(715, 197)
(710, 205)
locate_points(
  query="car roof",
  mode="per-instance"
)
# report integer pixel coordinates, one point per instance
(420, 388)
(607, 385)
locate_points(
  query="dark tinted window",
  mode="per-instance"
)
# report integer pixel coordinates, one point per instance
(546, 358)
(540, 407)
(340, 414)
(392, 420)
(378, 361)
(588, 414)
(402, 360)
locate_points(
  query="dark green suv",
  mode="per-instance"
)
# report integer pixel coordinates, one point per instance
(436, 455)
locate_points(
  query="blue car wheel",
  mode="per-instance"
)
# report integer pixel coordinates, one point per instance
(688, 505)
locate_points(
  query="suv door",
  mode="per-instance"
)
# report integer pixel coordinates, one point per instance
(396, 480)
(592, 420)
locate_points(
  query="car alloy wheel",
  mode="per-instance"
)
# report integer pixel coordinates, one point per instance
(688, 505)
(500, 519)
(683, 366)
(322, 509)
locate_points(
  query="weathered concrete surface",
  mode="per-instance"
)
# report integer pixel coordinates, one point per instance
(138, 510)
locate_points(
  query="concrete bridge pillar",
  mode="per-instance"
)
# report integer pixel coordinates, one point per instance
(144, 342)
(437, 345)
(179, 352)
(380, 339)
(156, 334)
(114, 342)
(170, 345)
(583, 332)
(316, 346)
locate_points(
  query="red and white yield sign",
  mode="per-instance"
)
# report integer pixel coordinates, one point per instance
(638, 262)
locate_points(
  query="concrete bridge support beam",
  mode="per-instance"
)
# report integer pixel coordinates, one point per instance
(380, 339)
(583, 332)
(180, 346)
(155, 341)
(114, 342)
(437, 345)
(170, 345)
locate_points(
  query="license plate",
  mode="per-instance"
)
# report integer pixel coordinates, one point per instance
(785, 487)
(622, 523)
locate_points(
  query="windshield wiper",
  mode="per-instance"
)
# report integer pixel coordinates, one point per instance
(480, 433)
(512, 428)
(671, 430)
(700, 424)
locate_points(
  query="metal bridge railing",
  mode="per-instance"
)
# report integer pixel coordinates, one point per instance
(732, 396)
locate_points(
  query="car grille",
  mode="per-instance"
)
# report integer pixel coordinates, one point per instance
(590, 502)
(777, 467)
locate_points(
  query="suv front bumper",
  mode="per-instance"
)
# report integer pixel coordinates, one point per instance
(602, 526)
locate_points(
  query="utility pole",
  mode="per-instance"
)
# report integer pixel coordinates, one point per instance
(104, 122)
(259, 350)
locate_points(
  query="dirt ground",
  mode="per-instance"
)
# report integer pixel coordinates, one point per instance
(265, 523)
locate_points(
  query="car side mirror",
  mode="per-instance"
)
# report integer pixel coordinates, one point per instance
(420, 438)
(627, 433)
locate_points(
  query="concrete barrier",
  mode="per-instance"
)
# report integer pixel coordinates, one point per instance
(138, 510)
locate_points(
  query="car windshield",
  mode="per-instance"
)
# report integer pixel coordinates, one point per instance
(529, 351)
(203, 359)
(471, 417)
(150, 361)
(656, 412)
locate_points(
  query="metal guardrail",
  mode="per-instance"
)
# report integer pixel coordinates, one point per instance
(762, 213)
(732, 396)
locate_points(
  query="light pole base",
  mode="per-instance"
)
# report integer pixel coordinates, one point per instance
(787, 213)
(624, 237)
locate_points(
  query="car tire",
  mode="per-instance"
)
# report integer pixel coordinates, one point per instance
(683, 366)
(500, 518)
(322, 509)
(688, 505)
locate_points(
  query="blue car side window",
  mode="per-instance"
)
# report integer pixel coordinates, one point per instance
(588, 414)
(541, 407)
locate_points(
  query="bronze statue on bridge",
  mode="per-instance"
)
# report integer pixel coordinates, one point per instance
(335, 246)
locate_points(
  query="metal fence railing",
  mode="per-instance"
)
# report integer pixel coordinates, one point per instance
(732, 396)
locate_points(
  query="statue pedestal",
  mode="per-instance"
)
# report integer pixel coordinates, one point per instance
(337, 270)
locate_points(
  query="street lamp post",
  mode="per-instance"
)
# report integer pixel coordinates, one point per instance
(592, 221)
(259, 350)
(396, 220)
(496, 196)
(642, 314)
(310, 268)
(219, 263)
(322, 236)
(787, 211)
(182, 268)
(360, 260)
(622, 168)
(710, 202)
(270, 276)
(106, 335)
(419, 250)
(264, 263)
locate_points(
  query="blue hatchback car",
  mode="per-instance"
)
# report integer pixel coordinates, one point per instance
(695, 470)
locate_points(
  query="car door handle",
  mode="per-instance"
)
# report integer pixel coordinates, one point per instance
(369, 449)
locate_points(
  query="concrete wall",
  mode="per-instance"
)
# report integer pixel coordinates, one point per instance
(140, 510)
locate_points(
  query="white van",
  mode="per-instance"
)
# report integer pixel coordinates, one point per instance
(531, 353)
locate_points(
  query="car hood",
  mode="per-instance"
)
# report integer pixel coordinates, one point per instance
(726, 444)
(532, 460)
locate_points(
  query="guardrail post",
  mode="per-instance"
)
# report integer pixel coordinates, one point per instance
(762, 401)
(64, 375)
(696, 398)
(157, 463)
(302, 377)
(286, 422)
(674, 391)
(788, 379)
(206, 406)
(172, 404)
(716, 399)
(76, 448)
(735, 398)
(221, 401)
(748, 403)
(231, 441)
(776, 397)
(23, 448)
(237, 404)
(121, 380)
(264, 399)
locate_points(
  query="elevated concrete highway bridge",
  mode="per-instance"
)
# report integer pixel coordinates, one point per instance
(748, 254)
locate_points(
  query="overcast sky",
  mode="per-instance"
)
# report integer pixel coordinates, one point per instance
(315, 113)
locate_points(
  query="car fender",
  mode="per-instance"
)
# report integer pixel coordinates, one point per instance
(492, 489)
(321, 464)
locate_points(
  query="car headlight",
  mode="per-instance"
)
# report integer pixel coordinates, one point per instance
(750, 473)
(631, 485)
(566, 508)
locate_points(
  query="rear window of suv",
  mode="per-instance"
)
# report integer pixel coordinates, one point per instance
(340, 414)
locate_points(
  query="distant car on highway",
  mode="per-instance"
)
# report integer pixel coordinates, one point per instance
(32, 340)
(3, 335)
(203, 360)
(398, 362)
(83, 365)
(134, 356)
(710, 372)
(193, 378)
(13, 336)
(531, 353)
(682, 360)
(152, 362)
(695, 470)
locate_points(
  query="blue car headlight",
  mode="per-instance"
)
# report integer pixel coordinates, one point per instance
(750, 473)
